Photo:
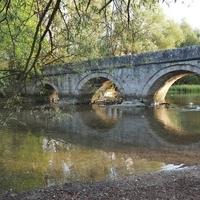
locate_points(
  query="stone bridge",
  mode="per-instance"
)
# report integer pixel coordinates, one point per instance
(144, 77)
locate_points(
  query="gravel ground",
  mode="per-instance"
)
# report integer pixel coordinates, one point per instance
(179, 184)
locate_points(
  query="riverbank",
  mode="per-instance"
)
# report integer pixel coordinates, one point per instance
(178, 184)
(184, 89)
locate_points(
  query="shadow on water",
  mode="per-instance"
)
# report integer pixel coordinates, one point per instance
(54, 146)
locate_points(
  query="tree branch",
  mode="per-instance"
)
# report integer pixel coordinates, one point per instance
(106, 4)
(43, 36)
(36, 34)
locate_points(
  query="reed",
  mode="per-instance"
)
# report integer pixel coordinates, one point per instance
(183, 89)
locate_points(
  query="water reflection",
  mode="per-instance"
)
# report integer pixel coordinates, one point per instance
(101, 117)
(183, 99)
(178, 125)
(94, 143)
(28, 161)
(179, 121)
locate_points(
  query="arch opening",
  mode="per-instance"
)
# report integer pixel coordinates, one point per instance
(47, 93)
(159, 89)
(51, 93)
(100, 90)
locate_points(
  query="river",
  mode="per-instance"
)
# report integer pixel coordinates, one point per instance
(94, 143)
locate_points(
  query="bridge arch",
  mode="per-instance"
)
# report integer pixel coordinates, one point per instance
(157, 86)
(46, 92)
(39, 85)
(86, 78)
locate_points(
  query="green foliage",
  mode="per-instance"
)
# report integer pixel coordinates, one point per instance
(183, 89)
(190, 80)
(16, 34)
(149, 31)
(191, 37)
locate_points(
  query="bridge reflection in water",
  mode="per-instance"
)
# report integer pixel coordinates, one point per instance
(94, 143)
(117, 125)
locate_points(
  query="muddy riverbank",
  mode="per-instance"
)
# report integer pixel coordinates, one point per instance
(178, 184)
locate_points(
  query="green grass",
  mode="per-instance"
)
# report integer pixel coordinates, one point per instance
(182, 89)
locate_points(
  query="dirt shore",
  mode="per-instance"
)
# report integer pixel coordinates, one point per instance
(179, 184)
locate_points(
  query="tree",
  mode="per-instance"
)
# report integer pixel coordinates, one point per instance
(24, 27)
(191, 37)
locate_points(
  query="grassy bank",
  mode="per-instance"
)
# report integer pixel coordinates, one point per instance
(182, 89)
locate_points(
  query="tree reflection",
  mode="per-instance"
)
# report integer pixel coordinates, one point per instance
(28, 161)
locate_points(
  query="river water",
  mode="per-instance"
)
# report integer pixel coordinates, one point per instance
(95, 143)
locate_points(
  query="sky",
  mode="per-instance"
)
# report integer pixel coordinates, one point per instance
(189, 10)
